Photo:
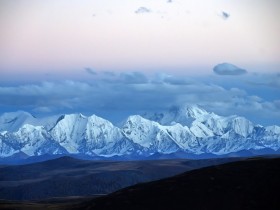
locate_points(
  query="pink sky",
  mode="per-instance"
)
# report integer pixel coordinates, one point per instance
(62, 37)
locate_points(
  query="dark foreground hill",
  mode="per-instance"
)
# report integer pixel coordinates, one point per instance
(248, 184)
(251, 184)
(67, 176)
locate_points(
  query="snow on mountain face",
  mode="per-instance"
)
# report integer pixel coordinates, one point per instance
(32, 140)
(188, 128)
(183, 137)
(100, 132)
(6, 148)
(69, 131)
(198, 129)
(221, 125)
(202, 123)
(103, 138)
(140, 130)
(273, 129)
(150, 135)
(218, 134)
(88, 135)
(183, 115)
(270, 137)
(241, 126)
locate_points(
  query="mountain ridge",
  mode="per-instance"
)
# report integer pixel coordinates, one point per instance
(190, 129)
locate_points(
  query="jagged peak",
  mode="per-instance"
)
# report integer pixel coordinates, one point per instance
(193, 110)
(184, 114)
(94, 116)
(137, 118)
(187, 111)
(273, 128)
(97, 119)
(70, 117)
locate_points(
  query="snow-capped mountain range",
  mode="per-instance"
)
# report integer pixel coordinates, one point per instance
(187, 129)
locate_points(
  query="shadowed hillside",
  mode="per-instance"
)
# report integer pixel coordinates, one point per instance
(250, 184)
(72, 177)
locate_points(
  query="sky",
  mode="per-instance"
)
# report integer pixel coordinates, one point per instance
(120, 57)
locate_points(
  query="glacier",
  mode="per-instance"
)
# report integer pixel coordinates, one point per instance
(189, 129)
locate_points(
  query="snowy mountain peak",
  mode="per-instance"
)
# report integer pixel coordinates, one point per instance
(273, 129)
(97, 118)
(184, 115)
(140, 130)
(136, 119)
(193, 111)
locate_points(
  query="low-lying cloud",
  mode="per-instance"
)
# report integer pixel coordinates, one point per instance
(137, 93)
(133, 78)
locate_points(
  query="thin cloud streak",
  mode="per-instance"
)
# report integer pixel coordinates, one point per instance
(142, 10)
